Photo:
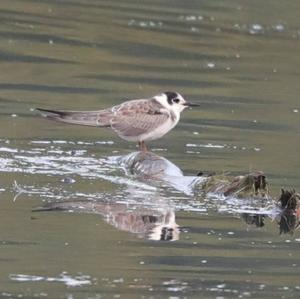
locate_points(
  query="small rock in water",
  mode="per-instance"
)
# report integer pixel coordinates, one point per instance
(295, 110)
(68, 180)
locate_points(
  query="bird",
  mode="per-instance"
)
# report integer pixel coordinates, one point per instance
(138, 120)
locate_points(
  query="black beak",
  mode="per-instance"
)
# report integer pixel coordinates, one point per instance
(188, 104)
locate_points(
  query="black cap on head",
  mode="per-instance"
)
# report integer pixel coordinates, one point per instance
(171, 96)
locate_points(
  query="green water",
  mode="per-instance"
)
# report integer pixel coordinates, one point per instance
(238, 59)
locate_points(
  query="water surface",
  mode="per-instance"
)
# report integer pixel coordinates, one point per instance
(238, 59)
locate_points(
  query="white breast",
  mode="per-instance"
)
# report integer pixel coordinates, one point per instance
(162, 129)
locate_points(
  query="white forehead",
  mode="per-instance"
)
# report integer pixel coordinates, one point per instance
(180, 97)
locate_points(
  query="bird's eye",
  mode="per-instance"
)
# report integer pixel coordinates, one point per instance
(176, 101)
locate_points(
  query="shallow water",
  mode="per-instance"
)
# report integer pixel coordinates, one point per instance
(238, 59)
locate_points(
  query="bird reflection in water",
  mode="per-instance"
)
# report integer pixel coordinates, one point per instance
(148, 223)
(157, 224)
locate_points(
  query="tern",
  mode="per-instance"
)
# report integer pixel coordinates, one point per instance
(134, 120)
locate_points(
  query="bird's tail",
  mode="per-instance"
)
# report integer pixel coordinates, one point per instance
(87, 118)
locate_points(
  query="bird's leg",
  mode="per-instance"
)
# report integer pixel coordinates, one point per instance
(142, 146)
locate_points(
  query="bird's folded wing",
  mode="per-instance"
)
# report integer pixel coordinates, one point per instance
(138, 118)
(138, 124)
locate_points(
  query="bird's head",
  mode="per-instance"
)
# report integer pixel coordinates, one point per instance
(173, 101)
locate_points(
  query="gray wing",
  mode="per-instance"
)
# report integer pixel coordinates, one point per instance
(138, 117)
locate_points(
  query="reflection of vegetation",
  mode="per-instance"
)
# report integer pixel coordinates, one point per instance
(254, 219)
(289, 218)
(147, 222)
